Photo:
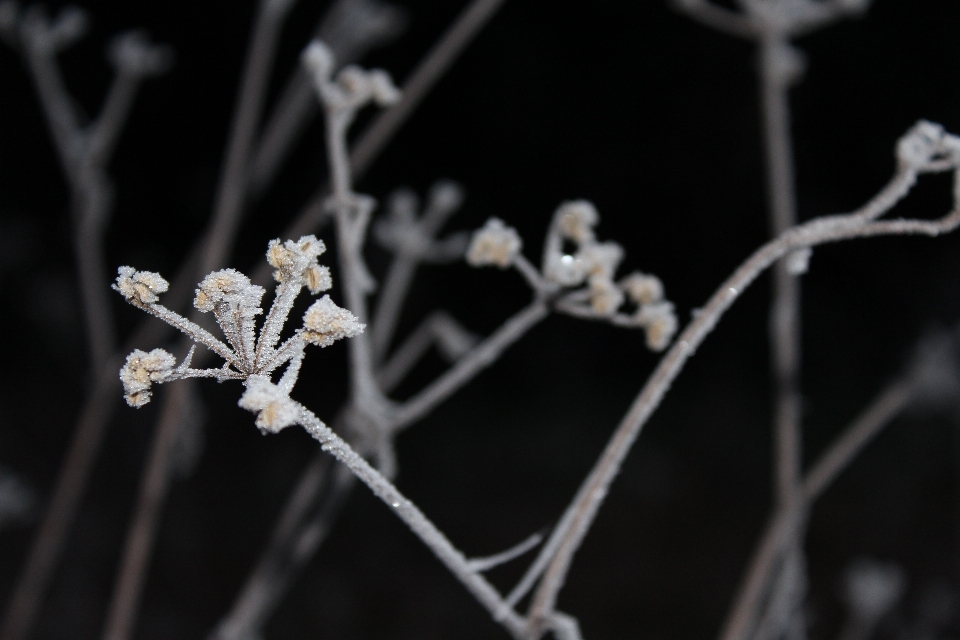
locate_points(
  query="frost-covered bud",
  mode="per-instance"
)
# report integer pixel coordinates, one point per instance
(228, 286)
(642, 288)
(872, 587)
(601, 258)
(324, 323)
(133, 52)
(605, 297)
(299, 260)
(920, 145)
(141, 370)
(382, 88)
(319, 61)
(139, 287)
(494, 244)
(576, 220)
(275, 409)
(660, 323)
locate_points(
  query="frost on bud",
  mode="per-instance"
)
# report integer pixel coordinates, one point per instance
(494, 244)
(601, 258)
(872, 587)
(140, 288)
(642, 288)
(141, 370)
(275, 409)
(324, 323)
(576, 220)
(605, 297)
(922, 144)
(660, 323)
(231, 287)
(382, 88)
(318, 59)
(299, 260)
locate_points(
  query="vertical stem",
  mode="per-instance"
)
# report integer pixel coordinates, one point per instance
(785, 311)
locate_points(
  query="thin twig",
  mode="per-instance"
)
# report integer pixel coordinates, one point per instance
(477, 359)
(438, 543)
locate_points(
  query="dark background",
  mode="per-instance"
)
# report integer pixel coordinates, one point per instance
(652, 117)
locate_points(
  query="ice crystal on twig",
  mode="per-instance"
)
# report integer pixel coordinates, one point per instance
(235, 303)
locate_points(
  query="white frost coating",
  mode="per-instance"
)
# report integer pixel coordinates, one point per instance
(605, 296)
(353, 87)
(642, 288)
(227, 286)
(235, 303)
(495, 244)
(324, 323)
(141, 370)
(140, 288)
(601, 258)
(660, 322)
(298, 260)
(274, 408)
(576, 220)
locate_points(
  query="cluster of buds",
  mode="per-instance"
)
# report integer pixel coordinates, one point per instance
(353, 87)
(408, 232)
(235, 303)
(495, 244)
(580, 280)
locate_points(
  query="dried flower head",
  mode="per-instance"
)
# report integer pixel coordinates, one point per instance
(642, 288)
(660, 323)
(141, 370)
(228, 286)
(275, 409)
(298, 260)
(324, 323)
(576, 220)
(605, 296)
(601, 258)
(494, 244)
(140, 288)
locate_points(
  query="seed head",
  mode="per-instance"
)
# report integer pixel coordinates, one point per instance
(324, 323)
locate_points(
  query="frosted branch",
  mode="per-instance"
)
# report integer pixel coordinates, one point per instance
(576, 522)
